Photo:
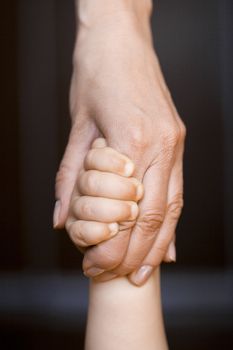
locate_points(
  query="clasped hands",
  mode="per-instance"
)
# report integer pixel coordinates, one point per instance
(119, 93)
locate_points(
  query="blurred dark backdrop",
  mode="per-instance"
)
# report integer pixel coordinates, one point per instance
(43, 296)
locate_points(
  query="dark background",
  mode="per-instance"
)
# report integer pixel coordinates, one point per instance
(43, 295)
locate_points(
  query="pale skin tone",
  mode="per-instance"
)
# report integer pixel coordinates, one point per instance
(105, 197)
(118, 91)
(120, 316)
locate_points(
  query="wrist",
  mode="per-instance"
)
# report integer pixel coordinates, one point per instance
(92, 13)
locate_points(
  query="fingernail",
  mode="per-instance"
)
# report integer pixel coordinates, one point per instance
(113, 227)
(141, 275)
(134, 211)
(93, 272)
(139, 192)
(56, 213)
(129, 169)
(172, 252)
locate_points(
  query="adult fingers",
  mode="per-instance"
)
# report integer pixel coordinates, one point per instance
(107, 255)
(167, 231)
(79, 142)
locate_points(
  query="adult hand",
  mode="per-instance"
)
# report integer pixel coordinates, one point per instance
(118, 91)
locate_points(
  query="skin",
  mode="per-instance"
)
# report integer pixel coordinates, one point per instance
(119, 92)
(120, 315)
(105, 197)
(123, 316)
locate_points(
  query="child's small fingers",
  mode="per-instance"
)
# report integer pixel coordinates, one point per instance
(104, 209)
(108, 159)
(100, 142)
(87, 233)
(102, 184)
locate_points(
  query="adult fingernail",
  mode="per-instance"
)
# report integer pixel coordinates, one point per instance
(113, 227)
(134, 211)
(141, 275)
(93, 272)
(172, 252)
(56, 213)
(129, 169)
(139, 192)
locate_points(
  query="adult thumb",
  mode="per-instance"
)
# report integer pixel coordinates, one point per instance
(79, 143)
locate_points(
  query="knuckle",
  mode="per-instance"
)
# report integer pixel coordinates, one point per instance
(79, 241)
(175, 207)
(82, 206)
(90, 181)
(183, 131)
(70, 230)
(126, 225)
(170, 137)
(151, 220)
(138, 138)
(179, 132)
(63, 173)
(86, 209)
(147, 236)
(73, 230)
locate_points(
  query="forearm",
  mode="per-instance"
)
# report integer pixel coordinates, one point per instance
(124, 317)
(90, 12)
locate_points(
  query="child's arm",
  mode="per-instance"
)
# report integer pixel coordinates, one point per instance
(122, 316)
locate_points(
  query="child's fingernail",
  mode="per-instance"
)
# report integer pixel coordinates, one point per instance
(139, 192)
(56, 213)
(113, 227)
(172, 252)
(141, 275)
(134, 211)
(93, 272)
(129, 169)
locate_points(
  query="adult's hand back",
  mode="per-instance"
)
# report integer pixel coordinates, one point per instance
(118, 91)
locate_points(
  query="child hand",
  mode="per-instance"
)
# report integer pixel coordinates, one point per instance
(107, 195)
